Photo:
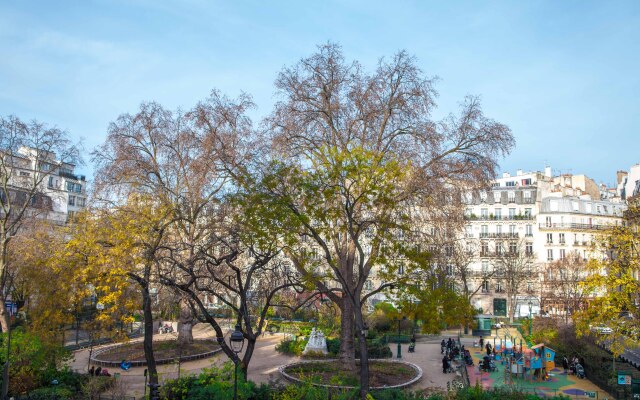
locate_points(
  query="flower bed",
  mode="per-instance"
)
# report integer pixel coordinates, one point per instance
(165, 351)
(332, 373)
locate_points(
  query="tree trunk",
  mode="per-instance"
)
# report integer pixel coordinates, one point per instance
(4, 315)
(250, 345)
(185, 324)
(364, 356)
(347, 330)
(148, 336)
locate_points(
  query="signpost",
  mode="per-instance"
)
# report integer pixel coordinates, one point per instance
(624, 379)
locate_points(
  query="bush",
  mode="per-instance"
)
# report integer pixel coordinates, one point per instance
(96, 385)
(376, 349)
(306, 391)
(212, 384)
(52, 393)
(333, 346)
(31, 358)
(291, 347)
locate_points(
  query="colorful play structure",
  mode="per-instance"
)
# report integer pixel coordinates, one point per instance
(520, 361)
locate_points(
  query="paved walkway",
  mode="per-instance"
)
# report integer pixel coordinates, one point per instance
(265, 362)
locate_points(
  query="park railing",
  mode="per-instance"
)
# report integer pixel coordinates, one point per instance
(388, 338)
(463, 370)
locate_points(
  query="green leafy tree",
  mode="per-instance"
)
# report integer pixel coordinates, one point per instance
(612, 281)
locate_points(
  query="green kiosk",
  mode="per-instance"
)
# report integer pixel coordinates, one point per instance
(483, 325)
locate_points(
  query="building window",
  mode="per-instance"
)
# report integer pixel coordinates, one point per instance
(512, 230)
(499, 248)
(527, 212)
(72, 200)
(483, 196)
(485, 286)
(484, 231)
(401, 269)
(484, 249)
(529, 230)
(512, 197)
(513, 247)
(549, 238)
(510, 183)
(81, 201)
(499, 288)
(448, 250)
(468, 231)
(50, 184)
(562, 254)
(450, 270)
(550, 255)
(548, 222)
(512, 213)
(484, 213)
(499, 230)
(529, 248)
(561, 238)
(498, 213)
(485, 267)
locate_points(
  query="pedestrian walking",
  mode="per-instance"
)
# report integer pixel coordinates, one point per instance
(565, 365)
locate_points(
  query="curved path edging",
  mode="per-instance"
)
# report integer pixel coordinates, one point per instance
(415, 379)
(103, 363)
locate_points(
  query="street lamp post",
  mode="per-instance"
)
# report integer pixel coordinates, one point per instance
(399, 355)
(236, 342)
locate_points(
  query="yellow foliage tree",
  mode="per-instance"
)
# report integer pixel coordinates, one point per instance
(613, 282)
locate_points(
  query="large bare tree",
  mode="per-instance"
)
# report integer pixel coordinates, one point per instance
(30, 152)
(515, 266)
(195, 164)
(563, 283)
(364, 148)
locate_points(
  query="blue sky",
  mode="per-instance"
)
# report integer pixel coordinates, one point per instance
(564, 75)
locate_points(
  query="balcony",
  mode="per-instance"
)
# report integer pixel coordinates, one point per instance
(501, 235)
(69, 175)
(520, 217)
(588, 227)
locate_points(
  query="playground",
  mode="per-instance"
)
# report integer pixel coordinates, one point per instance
(529, 368)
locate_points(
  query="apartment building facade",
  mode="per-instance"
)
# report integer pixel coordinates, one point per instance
(59, 191)
(539, 218)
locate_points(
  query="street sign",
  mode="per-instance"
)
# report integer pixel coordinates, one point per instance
(591, 395)
(624, 379)
(11, 307)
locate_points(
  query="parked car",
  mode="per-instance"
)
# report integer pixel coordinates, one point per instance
(603, 330)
